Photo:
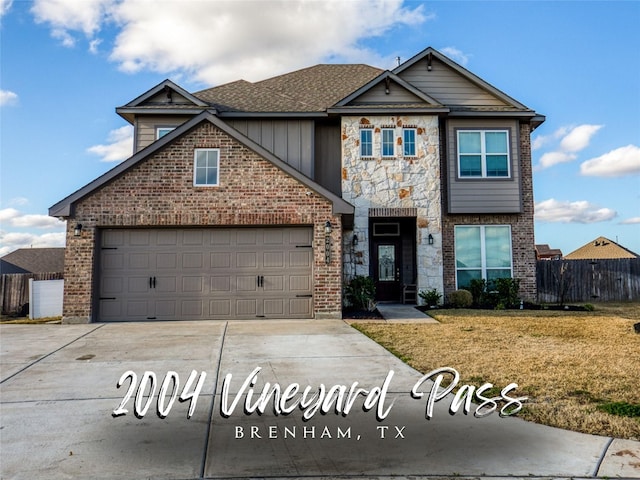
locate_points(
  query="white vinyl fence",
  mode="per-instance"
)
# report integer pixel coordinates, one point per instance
(45, 298)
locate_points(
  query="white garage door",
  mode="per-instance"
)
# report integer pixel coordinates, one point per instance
(213, 273)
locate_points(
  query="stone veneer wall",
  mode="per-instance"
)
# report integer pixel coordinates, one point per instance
(522, 233)
(411, 182)
(159, 192)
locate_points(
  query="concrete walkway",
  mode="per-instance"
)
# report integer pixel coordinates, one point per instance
(400, 313)
(58, 392)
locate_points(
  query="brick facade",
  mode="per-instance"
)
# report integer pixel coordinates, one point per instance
(522, 234)
(159, 191)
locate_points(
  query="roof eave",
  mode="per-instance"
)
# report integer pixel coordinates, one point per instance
(374, 110)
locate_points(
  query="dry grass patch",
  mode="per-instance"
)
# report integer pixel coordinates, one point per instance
(567, 363)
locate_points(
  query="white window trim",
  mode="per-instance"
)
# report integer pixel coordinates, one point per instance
(195, 156)
(415, 142)
(158, 129)
(483, 153)
(393, 142)
(360, 150)
(483, 253)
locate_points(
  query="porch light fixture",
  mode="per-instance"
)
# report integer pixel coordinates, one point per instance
(354, 242)
(430, 239)
(327, 227)
(78, 230)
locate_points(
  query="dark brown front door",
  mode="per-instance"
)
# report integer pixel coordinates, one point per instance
(386, 269)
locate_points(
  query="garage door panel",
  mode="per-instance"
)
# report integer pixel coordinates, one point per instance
(206, 273)
(246, 260)
(300, 307)
(139, 261)
(167, 261)
(300, 258)
(192, 261)
(221, 284)
(246, 283)
(246, 307)
(221, 260)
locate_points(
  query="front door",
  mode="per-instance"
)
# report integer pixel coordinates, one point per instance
(386, 269)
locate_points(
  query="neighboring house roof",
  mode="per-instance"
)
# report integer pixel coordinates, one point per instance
(64, 208)
(543, 251)
(310, 90)
(600, 249)
(33, 260)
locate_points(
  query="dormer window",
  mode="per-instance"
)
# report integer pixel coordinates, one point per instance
(162, 131)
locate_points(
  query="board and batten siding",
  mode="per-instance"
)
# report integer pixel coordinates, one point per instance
(292, 141)
(447, 86)
(328, 159)
(378, 95)
(483, 195)
(145, 128)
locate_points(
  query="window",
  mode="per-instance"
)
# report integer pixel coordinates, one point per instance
(483, 153)
(482, 252)
(409, 142)
(387, 142)
(205, 167)
(366, 142)
(162, 131)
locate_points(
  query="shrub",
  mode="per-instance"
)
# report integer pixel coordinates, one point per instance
(461, 299)
(430, 298)
(507, 290)
(360, 292)
(478, 289)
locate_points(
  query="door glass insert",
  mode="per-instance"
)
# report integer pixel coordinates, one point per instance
(386, 263)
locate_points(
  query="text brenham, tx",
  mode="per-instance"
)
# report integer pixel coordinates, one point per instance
(310, 400)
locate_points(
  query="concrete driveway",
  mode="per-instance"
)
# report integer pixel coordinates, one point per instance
(58, 394)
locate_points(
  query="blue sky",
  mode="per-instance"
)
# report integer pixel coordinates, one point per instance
(66, 65)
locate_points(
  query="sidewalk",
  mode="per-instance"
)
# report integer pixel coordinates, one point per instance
(58, 392)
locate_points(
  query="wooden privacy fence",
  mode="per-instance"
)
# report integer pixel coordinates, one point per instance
(565, 281)
(14, 288)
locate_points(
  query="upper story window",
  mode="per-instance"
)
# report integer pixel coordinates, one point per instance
(409, 142)
(162, 131)
(482, 251)
(483, 153)
(366, 142)
(387, 142)
(206, 166)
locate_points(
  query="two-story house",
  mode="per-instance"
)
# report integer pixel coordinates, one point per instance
(259, 200)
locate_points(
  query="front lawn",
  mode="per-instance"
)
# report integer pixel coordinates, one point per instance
(572, 365)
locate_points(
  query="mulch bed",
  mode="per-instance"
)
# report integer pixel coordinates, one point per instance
(350, 314)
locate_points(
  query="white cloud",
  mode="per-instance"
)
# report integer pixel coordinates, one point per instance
(67, 16)
(578, 138)
(630, 221)
(5, 5)
(553, 158)
(11, 218)
(616, 163)
(580, 211)
(120, 145)
(456, 55)
(10, 241)
(219, 41)
(8, 97)
(540, 140)
(15, 218)
(19, 201)
(573, 140)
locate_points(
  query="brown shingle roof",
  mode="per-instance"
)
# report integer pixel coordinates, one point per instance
(309, 90)
(601, 248)
(33, 260)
